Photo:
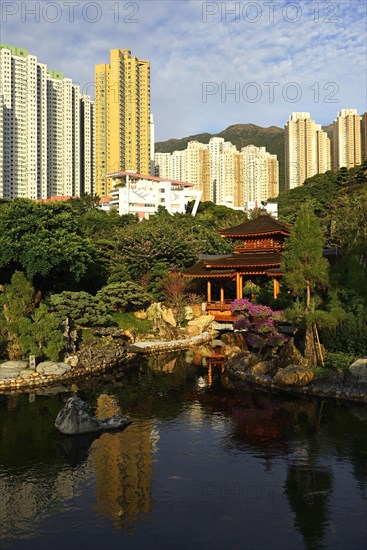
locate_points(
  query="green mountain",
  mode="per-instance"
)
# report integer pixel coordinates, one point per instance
(240, 135)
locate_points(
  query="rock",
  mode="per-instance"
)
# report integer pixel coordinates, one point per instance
(72, 360)
(48, 368)
(192, 330)
(204, 350)
(336, 377)
(168, 317)
(74, 419)
(203, 322)
(356, 375)
(289, 355)
(9, 373)
(293, 375)
(189, 313)
(262, 367)
(230, 351)
(197, 309)
(14, 365)
(235, 339)
(140, 314)
(27, 373)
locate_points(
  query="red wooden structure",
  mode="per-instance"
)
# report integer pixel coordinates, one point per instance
(258, 247)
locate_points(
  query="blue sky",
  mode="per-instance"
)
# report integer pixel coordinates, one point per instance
(212, 63)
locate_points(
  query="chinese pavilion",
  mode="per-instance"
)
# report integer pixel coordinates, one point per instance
(258, 247)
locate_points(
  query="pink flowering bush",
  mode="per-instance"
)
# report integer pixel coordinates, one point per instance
(260, 323)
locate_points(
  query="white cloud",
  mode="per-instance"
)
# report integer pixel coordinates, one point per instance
(185, 52)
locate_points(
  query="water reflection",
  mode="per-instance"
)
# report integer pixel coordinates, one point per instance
(308, 489)
(189, 434)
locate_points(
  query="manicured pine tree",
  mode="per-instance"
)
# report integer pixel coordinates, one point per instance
(306, 270)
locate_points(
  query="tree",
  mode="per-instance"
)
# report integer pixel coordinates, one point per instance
(306, 271)
(43, 240)
(303, 264)
(124, 296)
(18, 298)
(81, 308)
(41, 335)
(350, 224)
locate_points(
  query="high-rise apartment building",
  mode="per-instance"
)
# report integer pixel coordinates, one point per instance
(123, 123)
(43, 131)
(307, 149)
(162, 165)
(223, 174)
(87, 145)
(260, 174)
(364, 137)
(347, 139)
(198, 168)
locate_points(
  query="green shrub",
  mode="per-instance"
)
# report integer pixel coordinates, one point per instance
(349, 336)
(124, 296)
(339, 360)
(81, 308)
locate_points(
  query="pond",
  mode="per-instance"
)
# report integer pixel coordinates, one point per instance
(201, 466)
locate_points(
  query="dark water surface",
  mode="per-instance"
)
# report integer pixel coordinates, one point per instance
(200, 467)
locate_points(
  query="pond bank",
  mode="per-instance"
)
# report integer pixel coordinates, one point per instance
(94, 359)
(317, 388)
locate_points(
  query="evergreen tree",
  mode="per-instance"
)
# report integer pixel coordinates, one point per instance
(302, 261)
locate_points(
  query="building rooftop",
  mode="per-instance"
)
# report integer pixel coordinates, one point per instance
(134, 175)
(259, 226)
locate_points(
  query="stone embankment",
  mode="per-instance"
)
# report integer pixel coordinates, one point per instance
(95, 357)
(245, 370)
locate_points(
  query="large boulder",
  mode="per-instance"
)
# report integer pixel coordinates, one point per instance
(235, 339)
(193, 330)
(168, 316)
(74, 419)
(203, 322)
(14, 364)
(290, 355)
(53, 368)
(356, 375)
(261, 368)
(12, 369)
(293, 375)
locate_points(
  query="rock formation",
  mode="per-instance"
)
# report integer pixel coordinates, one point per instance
(74, 419)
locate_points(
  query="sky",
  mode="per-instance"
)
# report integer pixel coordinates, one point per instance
(213, 64)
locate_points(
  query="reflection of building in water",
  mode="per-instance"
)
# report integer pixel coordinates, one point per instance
(123, 467)
(29, 496)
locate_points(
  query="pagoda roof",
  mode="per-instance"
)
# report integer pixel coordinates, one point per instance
(200, 270)
(264, 224)
(230, 265)
(247, 259)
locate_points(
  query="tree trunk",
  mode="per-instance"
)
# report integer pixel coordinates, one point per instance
(308, 296)
(310, 346)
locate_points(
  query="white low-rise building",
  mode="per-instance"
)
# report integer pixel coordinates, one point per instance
(142, 195)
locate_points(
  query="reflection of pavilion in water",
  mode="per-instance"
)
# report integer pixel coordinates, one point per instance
(123, 467)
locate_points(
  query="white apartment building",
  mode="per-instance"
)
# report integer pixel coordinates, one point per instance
(260, 174)
(18, 75)
(218, 170)
(347, 139)
(162, 163)
(307, 149)
(142, 195)
(43, 137)
(86, 145)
